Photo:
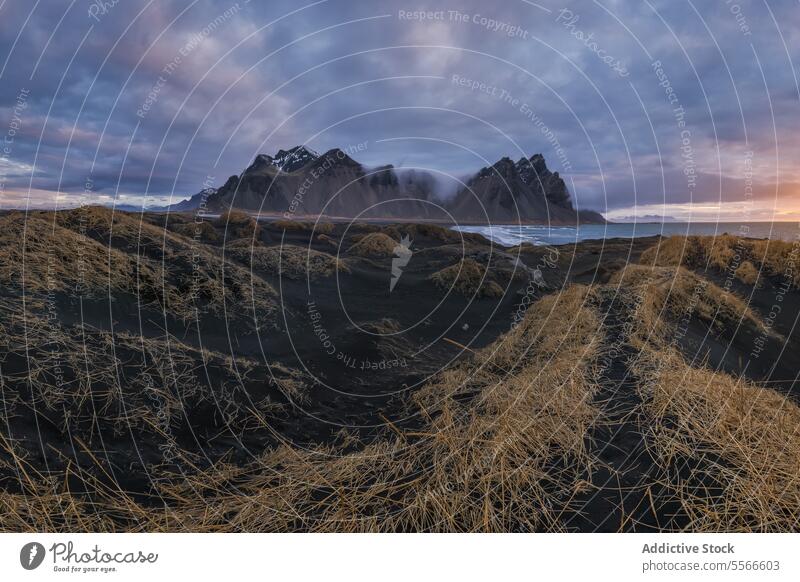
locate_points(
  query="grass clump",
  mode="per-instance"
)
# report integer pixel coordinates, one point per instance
(237, 224)
(96, 258)
(501, 448)
(289, 261)
(469, 278)
(432, 231)
(374, 245)
(123, 231)
(729, 448)
(747, 273)
(56, 259)
(742, 257)
(669, 296)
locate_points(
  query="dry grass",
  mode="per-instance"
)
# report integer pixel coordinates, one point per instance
(237, 224)
(433, 231)
(57, 259)
(364, 227)
(374, 245)
(89, 252)
(205, 282)
(120, 230)
(482, 464)
(526, 248)
(744, 257)
(328, 240)
(289, 261)
(85, 380)
(747, 273)
(502, 444)
(496, 430)
(469, 278)
(730, 449)
(200, 230)
(666, 297)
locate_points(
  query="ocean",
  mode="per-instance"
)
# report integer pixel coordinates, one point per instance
(511, 235)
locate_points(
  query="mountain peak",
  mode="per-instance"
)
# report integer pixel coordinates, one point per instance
(504, 168)
(535, 173)
(288, 161)
(294, 158)
(534, 164)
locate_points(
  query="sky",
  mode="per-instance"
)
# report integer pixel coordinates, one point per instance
(683, 109)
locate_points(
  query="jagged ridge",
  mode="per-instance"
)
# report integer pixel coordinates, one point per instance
(301, 182)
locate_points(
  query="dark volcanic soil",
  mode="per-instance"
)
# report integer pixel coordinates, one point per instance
(299, 335)
(354, 351)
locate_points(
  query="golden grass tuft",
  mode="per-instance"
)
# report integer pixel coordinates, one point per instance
(291, 261)
(747, 273)
(496, 430)
(526, 248)
(237, 224)
(433, 231)
(726, 252)
(730, 449)
(56, 259)
(668, 296)
(469, 278)
(125, 231)
(374, 245)
(161, 270)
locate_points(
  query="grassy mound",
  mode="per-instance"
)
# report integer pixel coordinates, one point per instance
(745, 258)
(57, 259)
(469, 278)
(90, 252)
(237, 224)
(507, 439)
(119, 230)
(747, 273)
(666, 296)
(374, 245)
(432, 231)
(728, 448)
(496, 430)
(289, 261)
(200, 230)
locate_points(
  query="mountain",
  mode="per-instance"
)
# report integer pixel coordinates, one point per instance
(300, 182)
(192, 203)
(525, 191)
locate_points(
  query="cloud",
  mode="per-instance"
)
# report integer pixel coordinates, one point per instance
(223, 81)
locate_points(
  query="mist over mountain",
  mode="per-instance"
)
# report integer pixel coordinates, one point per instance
(300, 182)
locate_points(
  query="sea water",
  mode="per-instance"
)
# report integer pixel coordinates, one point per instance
(511, 235)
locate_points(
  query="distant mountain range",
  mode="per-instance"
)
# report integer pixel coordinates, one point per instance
(300, 182)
